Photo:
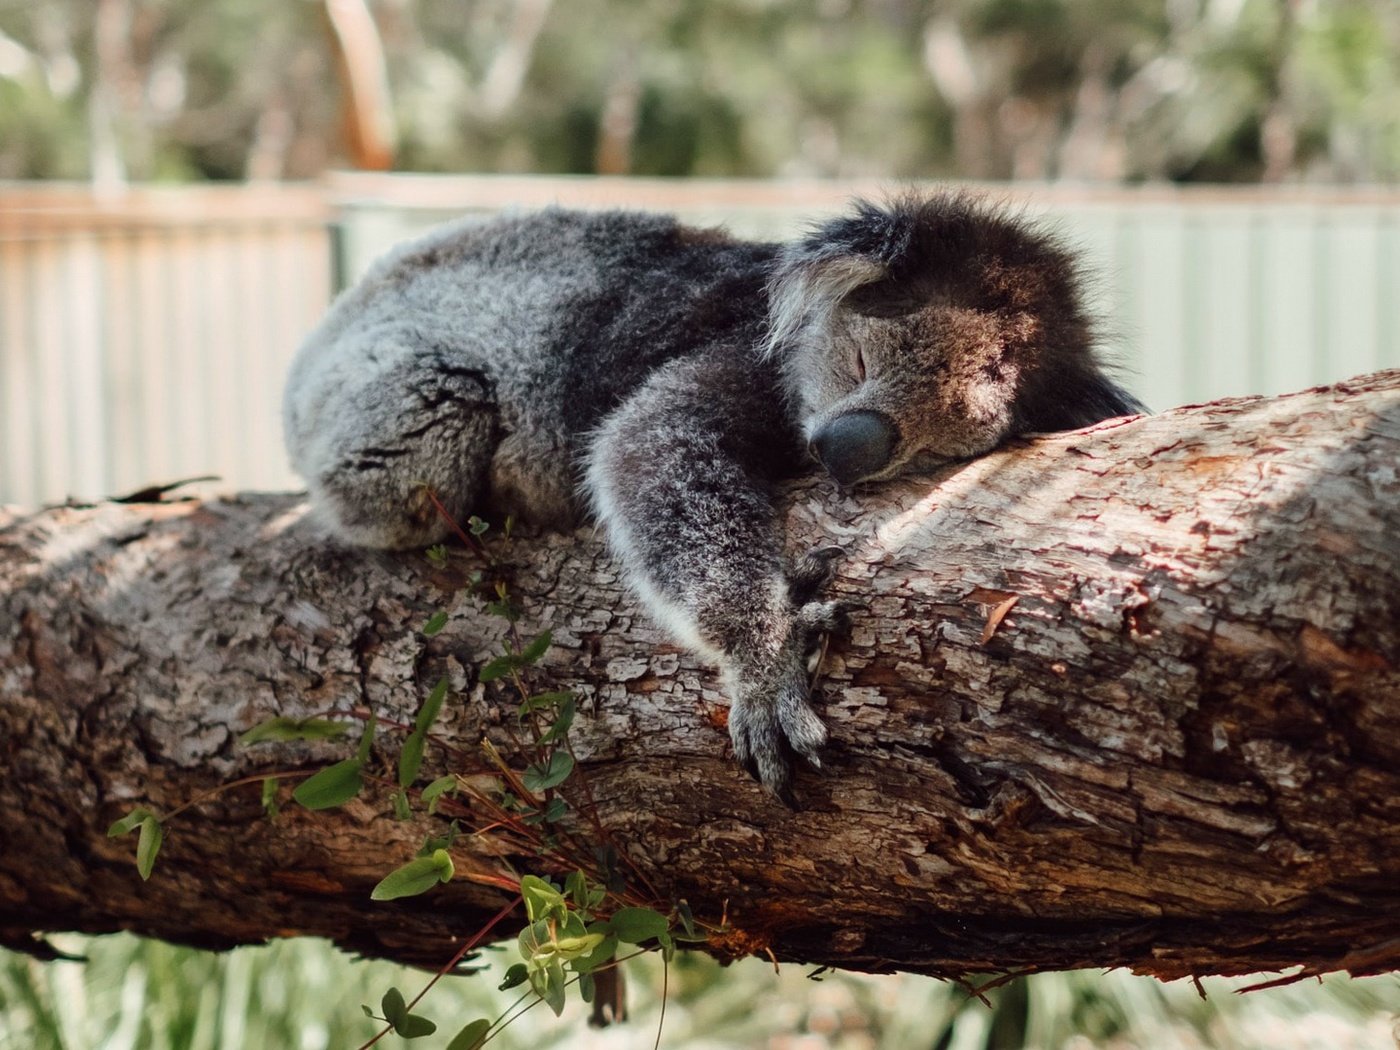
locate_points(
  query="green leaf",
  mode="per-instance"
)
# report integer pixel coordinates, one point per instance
(129, 823)
(542, 898)
(417, 876)
(562, 721)
(579, 947)
(368, 1012)
(148, 845)
(536, 649)
(393, 1006)
(437, 555)
(542, 700)
(283, 729)
(413, 1026)
(576, 888)
(554, 988)
(428, 713)
(333, 786)
(438, 788)
(687, 919)
(600, 955)
(635, 925)
(532, 940)
(498, 668)
(542, 777)
(411, 758)
(477, 526)
(515, 976)
(269, 797)
(436, 842)
(366, 741)
(435, 623)
(472, 1036)
(403, 810)
(586, 987)
(504, 608)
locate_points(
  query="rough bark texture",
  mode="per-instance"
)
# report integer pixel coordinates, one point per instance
(1179, 751)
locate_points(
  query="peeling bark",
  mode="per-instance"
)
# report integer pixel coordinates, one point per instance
(1122, 697)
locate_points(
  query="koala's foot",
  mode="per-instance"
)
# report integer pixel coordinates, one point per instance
(771, 720)
(810, 574)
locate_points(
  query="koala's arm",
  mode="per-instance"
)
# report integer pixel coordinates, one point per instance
(679, 477)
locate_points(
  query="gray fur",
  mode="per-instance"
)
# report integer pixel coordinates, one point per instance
(659, 378)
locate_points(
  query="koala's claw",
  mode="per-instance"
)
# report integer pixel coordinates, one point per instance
(768, 733)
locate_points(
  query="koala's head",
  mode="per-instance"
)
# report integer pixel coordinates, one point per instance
(931, 329)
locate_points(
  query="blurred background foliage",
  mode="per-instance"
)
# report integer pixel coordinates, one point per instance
(302, 995)
(1184, 90)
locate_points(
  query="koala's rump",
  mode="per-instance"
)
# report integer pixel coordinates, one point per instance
(569, 313)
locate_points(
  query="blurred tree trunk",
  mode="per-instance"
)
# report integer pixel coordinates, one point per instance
(367, 112)
(1121, 697)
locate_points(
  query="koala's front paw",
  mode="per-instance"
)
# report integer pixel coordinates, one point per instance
(771, 718)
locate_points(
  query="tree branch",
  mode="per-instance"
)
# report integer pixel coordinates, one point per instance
(1177, 750)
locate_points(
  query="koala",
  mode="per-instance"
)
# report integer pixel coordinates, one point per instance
(660, 379)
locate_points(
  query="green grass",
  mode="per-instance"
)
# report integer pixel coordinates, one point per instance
(304, 995)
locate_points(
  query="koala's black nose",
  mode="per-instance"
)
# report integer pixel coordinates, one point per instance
(855, 445)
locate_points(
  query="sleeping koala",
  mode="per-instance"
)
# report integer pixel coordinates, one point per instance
(662, 378)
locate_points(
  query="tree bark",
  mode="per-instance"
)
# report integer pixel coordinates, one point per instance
(1176, 750)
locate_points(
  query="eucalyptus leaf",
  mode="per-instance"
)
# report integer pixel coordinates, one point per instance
(514, 977)
(413, 1026)
(599, 956)
(536, 648)
(333, 786)
(534, 940)
(366, 740)
(148, 845)
(562, 722)
(542, 899)
(543, 700)
(498, 668)
(687, 919)
(393, 1006)
(428, 713)
(635, 925)
(542, 777)
(411, 758)
(283, 729)
(576, 888)
(554, 988)
(129, 823)
(417, 876)
(472, 1036)
(438, 788)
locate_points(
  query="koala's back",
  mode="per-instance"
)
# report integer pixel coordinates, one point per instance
(553, 317)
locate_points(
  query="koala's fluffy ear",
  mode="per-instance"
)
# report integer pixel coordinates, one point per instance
(878, 261)
(1070, 398)
(808, 286)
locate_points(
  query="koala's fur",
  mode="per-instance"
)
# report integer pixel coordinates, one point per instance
(661, 377)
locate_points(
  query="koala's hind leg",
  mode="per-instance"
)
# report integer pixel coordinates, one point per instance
(373, 443)
(678, 475)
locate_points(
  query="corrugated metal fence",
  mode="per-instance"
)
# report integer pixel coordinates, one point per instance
(145, 338)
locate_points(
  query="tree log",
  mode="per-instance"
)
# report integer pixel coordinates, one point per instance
(1126, 696)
